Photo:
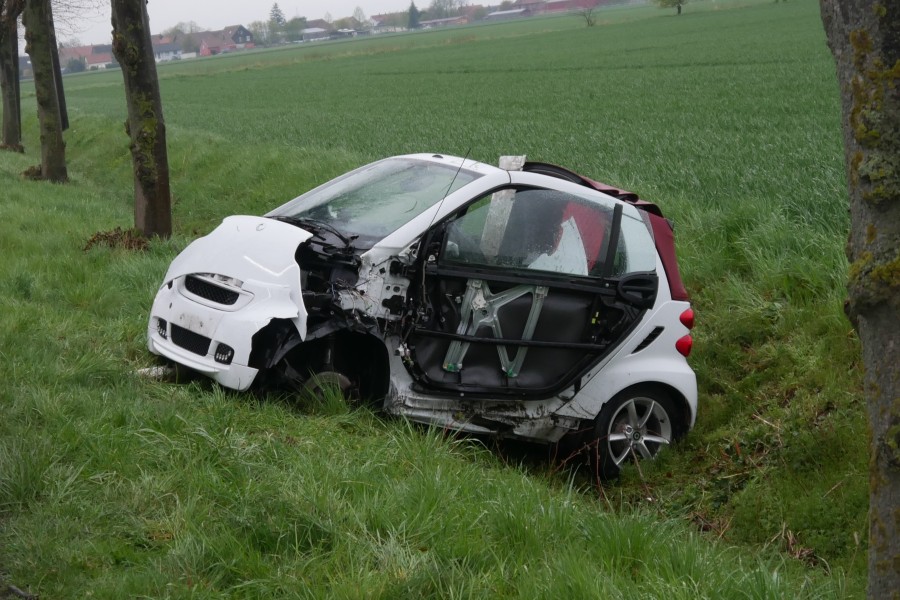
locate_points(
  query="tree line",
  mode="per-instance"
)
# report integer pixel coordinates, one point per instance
(144, 126)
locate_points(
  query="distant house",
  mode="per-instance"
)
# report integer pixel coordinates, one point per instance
(500, 15)
(94, 57)
(536, 7)
(319, 24)
(240, 35)
(314, 33)
(235, 37)
(66, 55)
(389, 22)
(380, 28)
(461, 20)
(101, 57)
(165, 48)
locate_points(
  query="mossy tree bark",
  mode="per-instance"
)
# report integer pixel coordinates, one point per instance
(39, 44)
(145, 125)
(864, 36)
(9, 75)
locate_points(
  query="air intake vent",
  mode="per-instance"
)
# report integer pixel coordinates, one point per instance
(210, 291)
(193, 342)
(649, 339)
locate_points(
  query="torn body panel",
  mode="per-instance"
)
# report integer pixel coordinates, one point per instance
(535, 420)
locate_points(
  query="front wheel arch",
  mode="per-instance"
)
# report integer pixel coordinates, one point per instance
(360, 357)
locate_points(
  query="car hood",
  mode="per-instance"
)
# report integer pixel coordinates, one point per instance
(246, 248)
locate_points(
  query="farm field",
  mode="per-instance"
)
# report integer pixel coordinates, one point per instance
(727, 117)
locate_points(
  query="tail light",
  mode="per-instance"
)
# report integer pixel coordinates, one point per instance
(684, 345)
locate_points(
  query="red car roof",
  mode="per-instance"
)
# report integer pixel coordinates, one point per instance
(663, 233)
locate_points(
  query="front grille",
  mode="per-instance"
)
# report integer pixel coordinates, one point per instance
(649, 339)
(210, 291)
(193, 342)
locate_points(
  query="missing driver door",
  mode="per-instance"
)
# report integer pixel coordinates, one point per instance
(520, 294)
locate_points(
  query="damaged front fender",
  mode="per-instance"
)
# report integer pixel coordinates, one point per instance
(256, 251)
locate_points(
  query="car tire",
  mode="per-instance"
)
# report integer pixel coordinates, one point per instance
(634, 425)
(319, 385)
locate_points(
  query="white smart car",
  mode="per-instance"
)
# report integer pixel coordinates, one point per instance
(532, 303)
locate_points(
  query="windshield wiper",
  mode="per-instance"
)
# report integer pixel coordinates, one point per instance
(316, 227)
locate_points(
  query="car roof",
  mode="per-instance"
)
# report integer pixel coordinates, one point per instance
(564, 173)
(543, 168)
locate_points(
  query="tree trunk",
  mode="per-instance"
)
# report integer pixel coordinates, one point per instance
(864, 36)
(9, 75)
(38, 20)
(145, 125)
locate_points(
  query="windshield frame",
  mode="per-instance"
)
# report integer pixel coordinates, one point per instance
(375, 200)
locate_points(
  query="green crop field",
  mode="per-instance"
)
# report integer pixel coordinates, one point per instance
(727, 116)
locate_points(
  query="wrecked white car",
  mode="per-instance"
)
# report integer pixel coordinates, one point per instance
(532, 303)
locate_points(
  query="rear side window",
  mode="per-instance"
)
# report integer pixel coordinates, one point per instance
(549, 231)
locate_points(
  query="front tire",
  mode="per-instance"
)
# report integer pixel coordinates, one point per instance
(635, 425)
(321, 384)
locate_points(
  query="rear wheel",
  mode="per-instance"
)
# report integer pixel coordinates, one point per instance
(635, 425)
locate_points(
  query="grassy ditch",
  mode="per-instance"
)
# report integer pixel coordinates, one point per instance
(726, 116)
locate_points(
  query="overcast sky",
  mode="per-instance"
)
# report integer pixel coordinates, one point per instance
(217, 14)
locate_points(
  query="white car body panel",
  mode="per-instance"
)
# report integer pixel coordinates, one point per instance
(625, 368)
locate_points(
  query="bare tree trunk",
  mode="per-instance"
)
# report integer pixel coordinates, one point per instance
(9, 75)
(145, 125)
(39, 41)
(864, 36)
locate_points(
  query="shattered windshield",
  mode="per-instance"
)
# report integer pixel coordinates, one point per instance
(367, 204)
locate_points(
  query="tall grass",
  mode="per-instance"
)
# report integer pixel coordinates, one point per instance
(726, 116)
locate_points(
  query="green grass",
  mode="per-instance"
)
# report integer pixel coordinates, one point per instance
(727, 116)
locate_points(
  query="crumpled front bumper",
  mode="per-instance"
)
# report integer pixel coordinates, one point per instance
(195, 331)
